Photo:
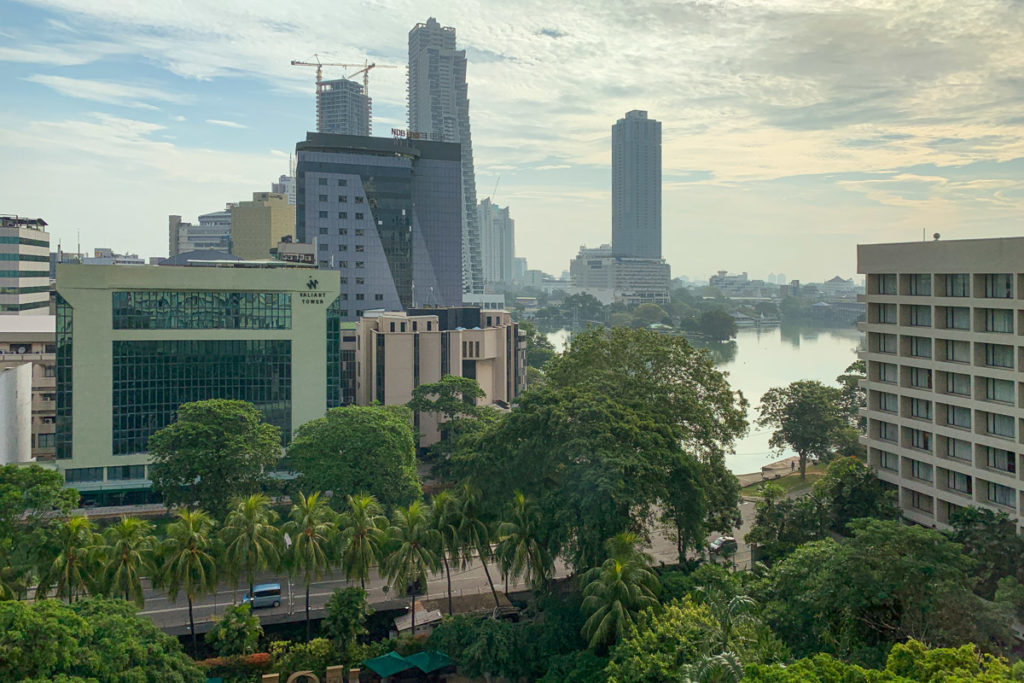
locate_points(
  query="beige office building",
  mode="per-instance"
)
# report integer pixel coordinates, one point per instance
(24, 266)
(28, 387)
(944, 351)
(396, 352)
(260, 225)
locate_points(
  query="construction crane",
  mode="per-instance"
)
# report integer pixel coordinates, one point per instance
(319, 84)
(365, 71)
(367, 65)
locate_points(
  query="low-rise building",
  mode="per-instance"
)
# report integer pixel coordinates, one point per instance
(28, 406)
(610, 278)
(260, 225)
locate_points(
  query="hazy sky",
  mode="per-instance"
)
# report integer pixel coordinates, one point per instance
(793, 129)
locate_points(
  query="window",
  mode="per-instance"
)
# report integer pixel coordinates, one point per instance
(360, 247)
(343, 296)
(342, 182)
(887, 431)
(429, 325)
(999, 459)
(887, 343)
(958, 351)
(920, 501)
(322, 181)
(159, 309)
(344, 280)
(887, 314)
(323, 231)
(998, 355)
(998, 320)
(359, 217)
(999, 390)
(342, 214)
(958, 449)
(998, 286)
(888, 402)
(958, 384)
(958, 285)
(343, 199)
(126, 472)
(920, 439)
(359, 200)
(955, 481)
(46, 440)
(380, 297)
(921, 378)
(360, 296)
(921, 347)
(999, 425)
(83, 474)
(958, 417)
(887, 372)
(958, 318)
(49, 371)
(323, 246)
(919, 285)
(921, 470)
(887, 283)
(888, 461)
(342, 247)
(360, 231)
(921, 316)
(1002, 495)
(402, 327)
(322, 214)
(322, 198)
(921, 408)
(360, 264)
(343, 264)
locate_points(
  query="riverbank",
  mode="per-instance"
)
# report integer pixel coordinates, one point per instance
(772, 470)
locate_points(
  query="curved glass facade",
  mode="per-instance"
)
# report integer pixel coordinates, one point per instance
(202, 310)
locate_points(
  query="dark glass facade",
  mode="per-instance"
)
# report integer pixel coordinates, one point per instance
(65, 319)
(202, 310)
(152, 378)
(334, 396)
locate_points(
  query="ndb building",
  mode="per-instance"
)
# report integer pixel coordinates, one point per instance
(133, 344)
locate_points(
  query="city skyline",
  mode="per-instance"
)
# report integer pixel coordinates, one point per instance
(796, 129)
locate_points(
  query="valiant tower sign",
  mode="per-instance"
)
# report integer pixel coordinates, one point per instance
(312, 296)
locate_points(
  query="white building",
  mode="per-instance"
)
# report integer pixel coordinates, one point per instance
(610, 278)
(24, 266)
(212, 232)
(498, 242)
(284, 185)
(944, 353)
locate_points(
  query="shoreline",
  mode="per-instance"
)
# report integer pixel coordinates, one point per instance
(770, 471)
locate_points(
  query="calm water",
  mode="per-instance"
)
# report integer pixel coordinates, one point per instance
(762, 359)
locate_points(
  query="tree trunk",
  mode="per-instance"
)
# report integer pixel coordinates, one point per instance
(414, 610)
(192, 629)
(447, 572)
(362, 583)
(491, 583)
(308, 632)
(803, 465)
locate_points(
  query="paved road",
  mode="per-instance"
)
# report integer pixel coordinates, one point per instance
(173, 616)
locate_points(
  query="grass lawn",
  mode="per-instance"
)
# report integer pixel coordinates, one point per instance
(789, 482)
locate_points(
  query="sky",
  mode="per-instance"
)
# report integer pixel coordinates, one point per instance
(792, 129)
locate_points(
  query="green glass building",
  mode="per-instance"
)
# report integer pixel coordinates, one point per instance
(134, 343)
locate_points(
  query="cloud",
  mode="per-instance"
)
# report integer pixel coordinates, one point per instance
(552, 33)
(178, 118)
(226, 124)
(105, 91)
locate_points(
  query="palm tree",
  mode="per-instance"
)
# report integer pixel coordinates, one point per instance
(252, 542)
(721, 668)
(444, 519)
(728, 613)
(520, 551)
(413, 555)
(614, 592)
(69, 560)
(188, 560)
(474, 532)
(128, 554)
(312, 528)
(363, 536)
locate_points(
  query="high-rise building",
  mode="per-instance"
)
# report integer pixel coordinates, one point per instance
(24, 266)
(497, 241)
(343, 108)
(636, 186)
(385, 214)
(258, 226)
(944, 385)
(439, 108)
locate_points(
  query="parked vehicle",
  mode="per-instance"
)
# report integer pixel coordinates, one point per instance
(264, 595)
(723, 545)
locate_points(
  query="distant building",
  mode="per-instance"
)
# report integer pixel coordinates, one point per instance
(439, 107)
(838, 287)
(498, 242)
(636, 186)
(103, 256)
(491, 302)
(519, 268)
(24, 266)
(296, 252)
(212, 232)
(610, 278)
(285, 185)
(343, 108)
(28, 406)
(258, 226)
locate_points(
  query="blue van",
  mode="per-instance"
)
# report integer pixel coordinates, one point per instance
(264, 595)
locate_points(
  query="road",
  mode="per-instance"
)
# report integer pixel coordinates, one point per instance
(172, 617)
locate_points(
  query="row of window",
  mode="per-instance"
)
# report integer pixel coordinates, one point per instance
(953, 383)
(993, 285)
(24, 273)
(342, 214)
(360, 296)
(342, 182)
(324, 246)
(952, 480)
(359, 232)
(342, 198)
(13, 239)
(201, 310)
(996, 320)
(79, 475)
(1001, 426)
(952, 351)
(25, 257)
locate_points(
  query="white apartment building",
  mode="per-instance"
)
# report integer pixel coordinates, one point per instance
(24, 266)
(944, 352)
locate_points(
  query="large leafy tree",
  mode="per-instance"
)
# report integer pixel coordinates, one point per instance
(312, 528)
(251, 538)
(453, 404)
(358, 448)
(127, 556)
(805, 416)
(188, 560)
(92, 640)
(70, 559)
(852, 491)
(482, 648)
(717, 325)
(363, 536)
(521, 550)
(236, 632)
(413, 555)
(215, 451)
(538, 349)
(990, 539)
(345, 617)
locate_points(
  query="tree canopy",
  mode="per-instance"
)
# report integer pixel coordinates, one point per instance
(805, 416)
(214, 451)
(357, 449)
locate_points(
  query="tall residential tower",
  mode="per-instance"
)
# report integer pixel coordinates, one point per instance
(636, 186)
(343, 108)
(439, 107)
(498, 242)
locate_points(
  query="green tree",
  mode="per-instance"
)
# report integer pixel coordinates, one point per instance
(444, 518)
(649, 313)
(804, 416)
(252, 541)
(189, 566)
(482, 648)
(853, 395)
(312, 528)
(289, 657)
(852, 491)
(413, 556)
(521, 550)
(358, 448)
(538, 349)
(236, 632)
(345, 617)
(474, 532)
(92, 640)
(127, 556)
(616, 591)
(363, 536)
(990, 539)
(717, 325)
(781, 524)
(69, 561)
(453, 403)
(215, 450)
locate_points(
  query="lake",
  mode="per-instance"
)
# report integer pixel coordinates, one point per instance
(761, 359)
